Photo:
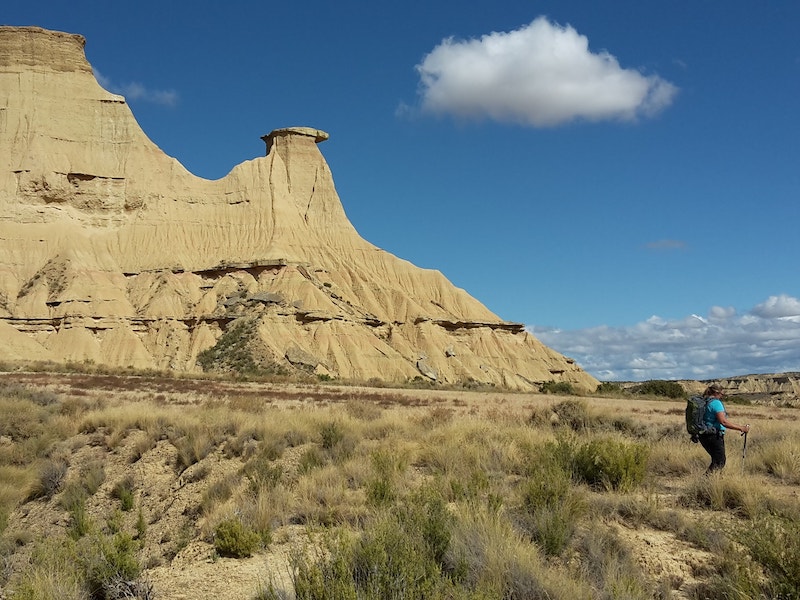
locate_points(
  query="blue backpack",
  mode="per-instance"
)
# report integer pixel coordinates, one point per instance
(695, 417)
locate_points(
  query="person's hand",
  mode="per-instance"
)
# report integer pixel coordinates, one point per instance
(745, 428)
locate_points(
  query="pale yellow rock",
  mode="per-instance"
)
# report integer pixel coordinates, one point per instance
(113, 252)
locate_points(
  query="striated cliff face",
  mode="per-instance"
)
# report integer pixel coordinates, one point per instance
(112, 252)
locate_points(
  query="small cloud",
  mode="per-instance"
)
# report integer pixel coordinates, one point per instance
(137, 91)
(666, 245)
(540, 75)
(766, 339)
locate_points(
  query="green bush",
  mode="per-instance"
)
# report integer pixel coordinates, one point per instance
(233, 539)
(111, 566)
(610, 464)
(332, 435)
(73, 500)
(557, 387)
(123, 491)
(380, 487)
(551, 505)
(609, 387)
(326, 576)
(657, 387)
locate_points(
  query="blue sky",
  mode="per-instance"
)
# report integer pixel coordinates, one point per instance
(623, 177)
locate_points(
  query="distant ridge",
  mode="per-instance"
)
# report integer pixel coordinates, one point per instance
(774, 389)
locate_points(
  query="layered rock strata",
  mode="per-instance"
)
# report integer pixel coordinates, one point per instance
(112, 252)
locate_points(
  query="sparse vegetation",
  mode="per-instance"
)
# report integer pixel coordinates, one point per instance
(123, 491)
(389, 494)
(236, 352)
(658, 387)
(557, 387)
(609, 388)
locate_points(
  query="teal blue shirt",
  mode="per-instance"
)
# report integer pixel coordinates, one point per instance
(710, 416)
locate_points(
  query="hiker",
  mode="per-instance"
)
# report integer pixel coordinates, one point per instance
(717, 418)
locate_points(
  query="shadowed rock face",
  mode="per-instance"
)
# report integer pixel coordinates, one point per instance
(113, 252)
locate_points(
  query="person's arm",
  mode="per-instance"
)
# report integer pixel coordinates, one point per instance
(723, 420)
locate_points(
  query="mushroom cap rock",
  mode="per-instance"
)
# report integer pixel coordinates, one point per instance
(112, 252)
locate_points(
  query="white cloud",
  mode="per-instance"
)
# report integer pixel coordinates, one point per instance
(778, 306)
(542, 75)
(137, 91)
(722, 344)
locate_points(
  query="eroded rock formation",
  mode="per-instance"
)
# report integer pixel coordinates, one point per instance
(112, 252)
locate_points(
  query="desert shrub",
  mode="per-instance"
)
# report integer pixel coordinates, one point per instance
(97, 566)
(332, 434)
(73, 500)
(232, 538)
(38, 396)
(92, 477)
(51, 477)
(325, 574)
(262, 473)
(381, 486)
(335, 441)
(123, 491)
(217, 493)
(468, 487)
(311, 459)
(192, 447)
(79, 521)
(610, 565)
(574, 414)
(609, 388)
(774, 543)
(363, 410)
(52, 573)
(611, 464)
(488, 557)
(111, 567)
(398, 555)
(550, 505)
(141, 525)
(557, 387)
(658, 387)
(15, 483)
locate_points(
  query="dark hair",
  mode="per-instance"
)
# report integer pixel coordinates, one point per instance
(713, 390)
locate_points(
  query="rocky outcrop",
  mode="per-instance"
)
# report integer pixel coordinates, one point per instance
(778, 389)
(113, 252)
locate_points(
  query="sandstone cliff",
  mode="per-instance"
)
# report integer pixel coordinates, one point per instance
(113, 252)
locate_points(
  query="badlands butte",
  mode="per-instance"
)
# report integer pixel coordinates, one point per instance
(112, 253)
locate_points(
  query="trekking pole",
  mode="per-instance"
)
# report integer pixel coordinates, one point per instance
(744, 449)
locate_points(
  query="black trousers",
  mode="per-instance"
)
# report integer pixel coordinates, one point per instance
(714, 444)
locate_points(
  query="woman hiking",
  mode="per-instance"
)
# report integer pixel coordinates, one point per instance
(716, 418)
